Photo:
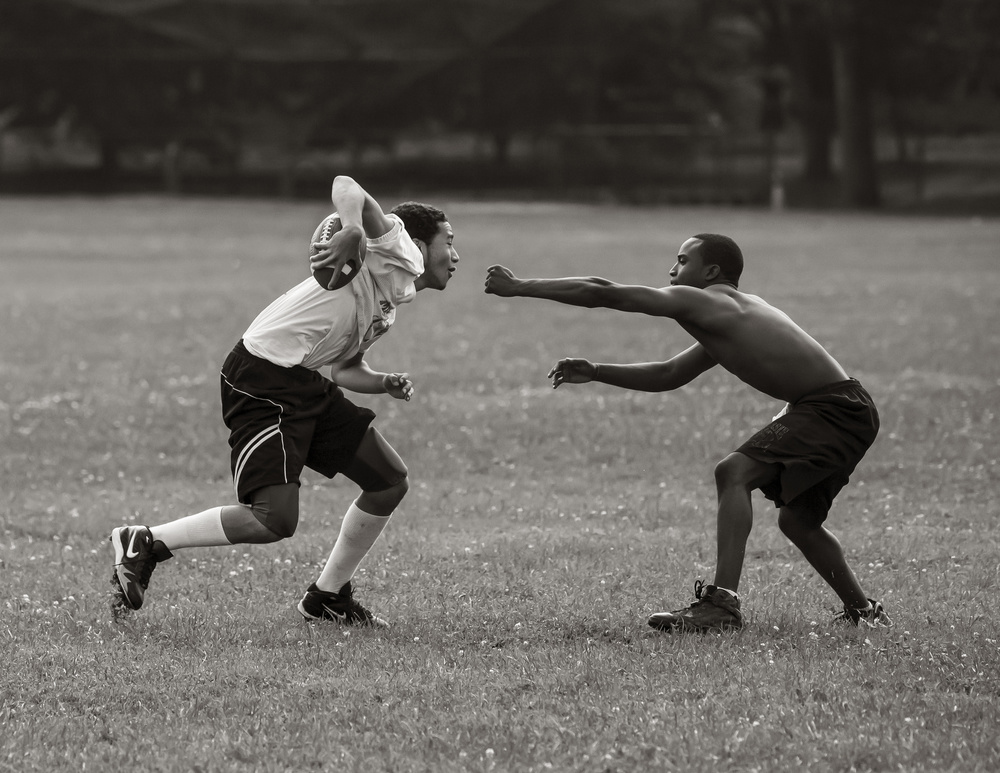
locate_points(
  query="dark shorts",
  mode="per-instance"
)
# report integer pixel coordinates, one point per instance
(818, 443)
(283, 419)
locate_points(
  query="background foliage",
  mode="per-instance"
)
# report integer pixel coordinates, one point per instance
(648, 99)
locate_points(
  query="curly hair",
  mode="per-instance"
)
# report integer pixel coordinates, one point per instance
(420, 220)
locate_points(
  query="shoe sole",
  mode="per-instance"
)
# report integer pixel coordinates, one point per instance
(676, 625)
(117, 544)
(375, 622)
(873, 625)
(123, 601)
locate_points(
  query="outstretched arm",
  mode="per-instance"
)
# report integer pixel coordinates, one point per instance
(642, 376)
(595, 292)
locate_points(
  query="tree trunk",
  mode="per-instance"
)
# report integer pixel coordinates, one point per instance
(859, 174)
(812, 90)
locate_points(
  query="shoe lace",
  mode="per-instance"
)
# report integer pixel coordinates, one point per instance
(144, 566)
(344, 598)
(699, 594)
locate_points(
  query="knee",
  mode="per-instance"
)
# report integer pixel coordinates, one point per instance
(788, 524)
(796, 525)
(393, 495)
(385, 501)
(805, 519)
(729, 472)
(277, 511)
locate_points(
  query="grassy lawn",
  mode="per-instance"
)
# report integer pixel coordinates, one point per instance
(541, 527)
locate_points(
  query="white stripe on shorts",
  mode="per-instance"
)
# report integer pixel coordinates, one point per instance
(261, 437)
(252, 446)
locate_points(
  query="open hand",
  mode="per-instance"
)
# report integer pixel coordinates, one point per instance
(347, 243)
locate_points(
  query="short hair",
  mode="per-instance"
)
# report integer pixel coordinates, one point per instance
(421, 221)
(723, 252)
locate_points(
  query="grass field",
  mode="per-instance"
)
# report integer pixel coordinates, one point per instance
(541, 527)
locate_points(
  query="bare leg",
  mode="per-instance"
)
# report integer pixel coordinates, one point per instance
(273, 516)
(736, 476)
(824, 552)
(242, 528)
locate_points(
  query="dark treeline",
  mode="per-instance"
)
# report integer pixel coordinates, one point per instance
(713, 98)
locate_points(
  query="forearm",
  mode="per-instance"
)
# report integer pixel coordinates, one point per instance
(640, 377)
(348, 200)
(356, 207)
(360, 378)
(575, 291)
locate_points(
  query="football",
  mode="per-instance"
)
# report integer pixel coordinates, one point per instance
(330, 225)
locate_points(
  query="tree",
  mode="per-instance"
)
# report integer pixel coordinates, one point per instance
(850, 35)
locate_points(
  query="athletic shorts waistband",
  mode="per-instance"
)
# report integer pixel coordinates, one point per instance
(296, 371)
(836, 386)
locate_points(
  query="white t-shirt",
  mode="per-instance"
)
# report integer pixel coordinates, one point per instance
(312, 327)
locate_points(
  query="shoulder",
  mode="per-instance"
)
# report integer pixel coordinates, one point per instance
(725, 295)
(701, 305)
(393, 231)
(394, 250)
(702, 297)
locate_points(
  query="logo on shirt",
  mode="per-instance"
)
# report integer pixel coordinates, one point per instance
(380, 324)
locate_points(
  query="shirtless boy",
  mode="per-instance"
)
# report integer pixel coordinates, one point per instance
(800, 461)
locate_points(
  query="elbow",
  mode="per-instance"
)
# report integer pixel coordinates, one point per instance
(665, 381)
(342, 184)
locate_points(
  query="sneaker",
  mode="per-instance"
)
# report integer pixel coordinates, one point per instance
(715, 610)
(340, 607)
(873, 617)
(136, 556)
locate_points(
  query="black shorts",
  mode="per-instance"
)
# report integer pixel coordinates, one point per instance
(283, 419)
(818, 443)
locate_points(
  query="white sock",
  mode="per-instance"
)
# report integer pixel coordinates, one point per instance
(732, 593)
(201, 530)
(358, 533)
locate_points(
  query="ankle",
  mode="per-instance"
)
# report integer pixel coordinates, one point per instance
(732, 593)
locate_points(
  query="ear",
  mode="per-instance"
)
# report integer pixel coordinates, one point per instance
(712, 272)
(422, 246)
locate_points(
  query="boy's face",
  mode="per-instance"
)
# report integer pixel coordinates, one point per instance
(689, 270)
(440, 259)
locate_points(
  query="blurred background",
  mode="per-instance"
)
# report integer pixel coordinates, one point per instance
(783, 103)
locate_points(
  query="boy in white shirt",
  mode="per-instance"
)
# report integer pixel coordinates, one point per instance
(283, 414)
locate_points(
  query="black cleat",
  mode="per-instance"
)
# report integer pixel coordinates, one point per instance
(340, 607)
(715, 610)
(136, 556)
(873, 617)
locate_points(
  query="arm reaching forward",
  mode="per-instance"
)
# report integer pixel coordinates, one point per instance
(641, 376)
(595, 292)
